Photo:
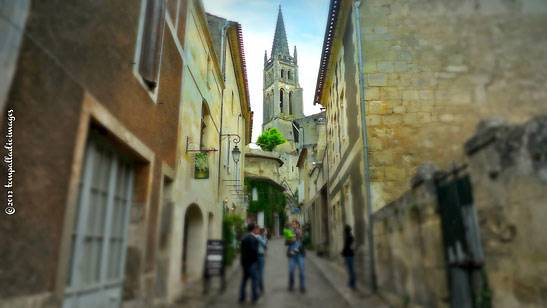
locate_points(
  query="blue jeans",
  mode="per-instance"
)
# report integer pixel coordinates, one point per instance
(351, 271)
(261, 262)
(249, 272)
(293, 261)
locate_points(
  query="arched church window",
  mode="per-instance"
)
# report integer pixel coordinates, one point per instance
(290, 103)
(282, 73)
(281, 94)
(289, 75)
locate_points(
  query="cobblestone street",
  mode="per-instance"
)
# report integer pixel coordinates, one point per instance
(319, 292)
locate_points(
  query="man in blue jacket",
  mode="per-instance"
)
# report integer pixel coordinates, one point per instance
(249, 263)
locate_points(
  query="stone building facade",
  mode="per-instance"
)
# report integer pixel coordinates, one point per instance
(433, 69)
(425, 73)
(109, 114)
(236, 120)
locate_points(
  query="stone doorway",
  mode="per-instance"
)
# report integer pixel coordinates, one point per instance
(193, 246)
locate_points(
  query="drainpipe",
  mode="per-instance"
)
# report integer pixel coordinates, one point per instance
(327, 148)
(357, 3)
(222, 50)
(223, 71)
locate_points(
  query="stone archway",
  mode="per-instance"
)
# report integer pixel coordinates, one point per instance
(193, 245)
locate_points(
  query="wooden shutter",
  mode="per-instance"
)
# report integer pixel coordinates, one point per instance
(152, 41)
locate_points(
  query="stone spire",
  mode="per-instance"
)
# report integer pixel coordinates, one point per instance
(294, 55)
(280, 45)
(265, 57)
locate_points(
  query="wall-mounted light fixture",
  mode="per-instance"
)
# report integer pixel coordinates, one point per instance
(236, 152)
(224, 206)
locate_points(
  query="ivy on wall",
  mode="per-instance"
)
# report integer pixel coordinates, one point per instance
(233, 228)
(270, 201)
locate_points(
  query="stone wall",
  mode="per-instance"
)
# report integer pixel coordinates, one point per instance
(507, 166)
(408, 247)
(434, 68)
(309, 128)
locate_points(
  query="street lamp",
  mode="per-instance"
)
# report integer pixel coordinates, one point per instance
(236, 153)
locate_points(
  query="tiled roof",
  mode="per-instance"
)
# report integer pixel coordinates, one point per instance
(327, 46)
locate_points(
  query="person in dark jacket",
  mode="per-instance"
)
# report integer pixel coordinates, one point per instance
(249, 263)
(347, 252)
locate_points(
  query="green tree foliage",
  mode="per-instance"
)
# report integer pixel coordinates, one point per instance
(270, 139)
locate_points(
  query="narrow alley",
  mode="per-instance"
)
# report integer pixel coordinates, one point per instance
(149, 146)
(319, 292)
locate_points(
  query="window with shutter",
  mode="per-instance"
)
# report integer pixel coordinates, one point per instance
(152, 41)
(205, 119)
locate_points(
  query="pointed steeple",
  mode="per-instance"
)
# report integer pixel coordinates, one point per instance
(265, 57)
(294, 55)
(280, 45)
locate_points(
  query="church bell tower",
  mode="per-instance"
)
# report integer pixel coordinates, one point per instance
(282, 101)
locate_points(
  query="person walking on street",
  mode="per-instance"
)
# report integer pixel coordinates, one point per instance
(249, 263)
(347, 252)
(262, 245)
(296, 253)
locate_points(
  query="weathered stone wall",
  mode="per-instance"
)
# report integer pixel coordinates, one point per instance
(262, 163)
(266, 164)
(508, 170)
(408, 248)
(289, 171)
(309, 128)
(196, 201)
(434, 68)
(508, 167)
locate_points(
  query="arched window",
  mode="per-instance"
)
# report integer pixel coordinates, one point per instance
(289, 75)
(290, 103)
(281, 94)
(282, 73)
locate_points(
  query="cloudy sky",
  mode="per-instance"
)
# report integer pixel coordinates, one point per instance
(305, 22)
